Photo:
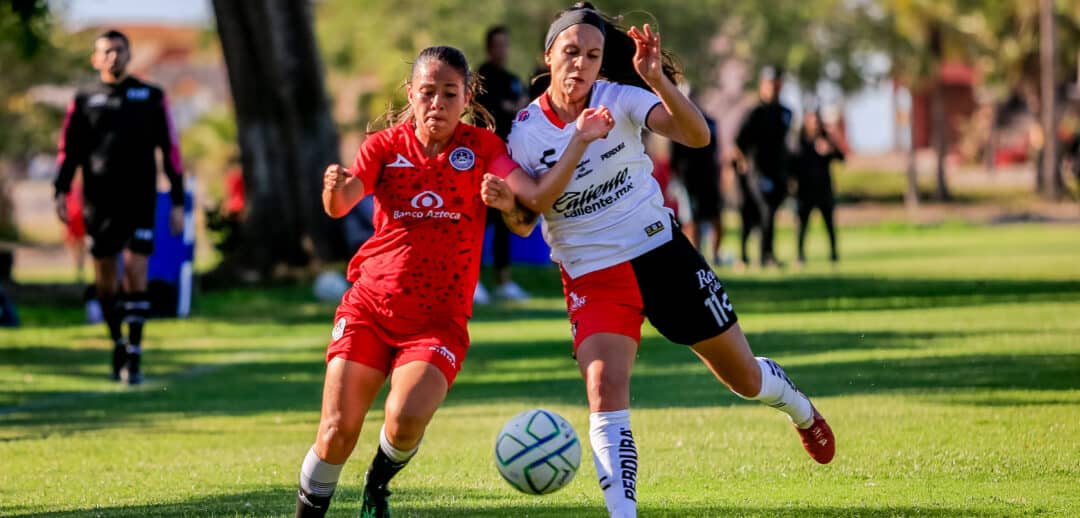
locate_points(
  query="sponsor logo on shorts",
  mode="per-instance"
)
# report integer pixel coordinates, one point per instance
(576, 302)
(339, 329)
(445, 353)
(462, 159)
(654, 229)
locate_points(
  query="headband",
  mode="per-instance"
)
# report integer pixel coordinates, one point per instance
(570, 18)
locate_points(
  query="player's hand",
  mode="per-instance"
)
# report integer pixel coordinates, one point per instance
(335, 177)
(496, 193)
(176, 220)
(594, 123)
(822, 146)
(61, 207)
(648, 61)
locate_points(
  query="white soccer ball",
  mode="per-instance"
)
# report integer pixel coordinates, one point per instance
(537, 452)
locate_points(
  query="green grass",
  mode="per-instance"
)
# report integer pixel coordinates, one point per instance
(947, 359)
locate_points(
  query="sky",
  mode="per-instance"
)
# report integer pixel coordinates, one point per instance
(78, 13)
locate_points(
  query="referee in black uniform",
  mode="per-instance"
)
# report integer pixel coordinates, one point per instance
(762, 137)
(112, 129)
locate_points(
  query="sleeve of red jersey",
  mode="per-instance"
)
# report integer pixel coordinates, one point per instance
(369, 160)
(497, 157)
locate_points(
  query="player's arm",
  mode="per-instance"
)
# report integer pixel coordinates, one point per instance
(539, 194)
(341, 191)
(70, 153)
(680, 120)
(170, 153)
(497, 194)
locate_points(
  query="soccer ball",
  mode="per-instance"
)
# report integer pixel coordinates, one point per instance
(537, 452)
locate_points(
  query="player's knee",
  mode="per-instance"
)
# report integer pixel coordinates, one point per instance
(337, 438)
(608, 389)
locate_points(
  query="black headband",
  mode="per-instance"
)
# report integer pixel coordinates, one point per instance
(586, 16)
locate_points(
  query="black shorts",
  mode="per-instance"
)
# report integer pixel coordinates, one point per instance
(671, 285)
(112, 233)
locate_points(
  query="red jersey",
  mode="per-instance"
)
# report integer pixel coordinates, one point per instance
(424, 260)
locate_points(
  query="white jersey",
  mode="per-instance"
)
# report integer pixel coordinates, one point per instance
(612, 210)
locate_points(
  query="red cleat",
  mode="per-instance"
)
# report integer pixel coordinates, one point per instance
(818, 439)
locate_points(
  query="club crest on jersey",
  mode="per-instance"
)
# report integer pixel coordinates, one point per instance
(523, 116)
(462, 158)
(400, 162)
(339, 329)
(138, 94)
(427, 200)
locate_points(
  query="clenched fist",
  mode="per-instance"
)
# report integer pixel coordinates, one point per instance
(335, 177)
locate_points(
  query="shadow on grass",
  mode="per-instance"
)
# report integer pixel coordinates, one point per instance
(665, 375)
(457, 502)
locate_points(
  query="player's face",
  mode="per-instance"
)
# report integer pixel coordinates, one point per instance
(438, 98)
(110, 55)
(499, 50)
(574, 60)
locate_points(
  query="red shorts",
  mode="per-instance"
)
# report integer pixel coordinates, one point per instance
(671, 285)
(360, 335)
(604, 301)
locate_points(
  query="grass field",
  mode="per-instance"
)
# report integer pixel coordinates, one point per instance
(946, 358)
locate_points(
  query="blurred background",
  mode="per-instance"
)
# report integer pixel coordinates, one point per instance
(949, 109)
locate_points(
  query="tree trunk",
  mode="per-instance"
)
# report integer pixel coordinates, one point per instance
(940, 134)
(911, 195)
(286, 134)
(1049, 173)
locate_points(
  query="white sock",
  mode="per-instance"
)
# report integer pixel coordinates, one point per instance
(318, 477)
(396, 455)
(780, 393)
(616, 460)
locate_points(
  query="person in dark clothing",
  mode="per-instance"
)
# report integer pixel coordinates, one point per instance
(699, 171)
(761, 151)
(112, 131)
(503, 95)
(815, 154)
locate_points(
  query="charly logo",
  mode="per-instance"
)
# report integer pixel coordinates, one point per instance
(445, 353)
(339, 329)
(462, 158)
(427, 200)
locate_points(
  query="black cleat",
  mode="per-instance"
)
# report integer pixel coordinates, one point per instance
(119, 359)
(134, 374)
(375, 502)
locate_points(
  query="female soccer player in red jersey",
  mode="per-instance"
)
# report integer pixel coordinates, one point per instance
(405, 316)
(614, 240)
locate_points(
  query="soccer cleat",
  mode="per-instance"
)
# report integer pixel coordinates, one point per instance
(511, 291)
(375, 502)
(134, 374)
(481, 295)
(818, 439)
(119, 358)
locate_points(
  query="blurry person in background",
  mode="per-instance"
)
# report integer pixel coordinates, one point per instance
(761, 151)
(698, 170)
(813, 158)
(503, 95)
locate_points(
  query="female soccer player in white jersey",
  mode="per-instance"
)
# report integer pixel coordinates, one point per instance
(609, 231)
(405, 316)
